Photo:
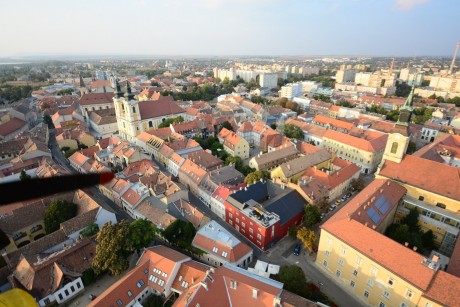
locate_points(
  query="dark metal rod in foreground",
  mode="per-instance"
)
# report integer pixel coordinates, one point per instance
(34, 188)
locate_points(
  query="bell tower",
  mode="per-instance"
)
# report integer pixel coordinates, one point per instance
(398, 139)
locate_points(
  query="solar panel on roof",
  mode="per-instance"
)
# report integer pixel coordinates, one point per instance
(382, 204)
(375, 217)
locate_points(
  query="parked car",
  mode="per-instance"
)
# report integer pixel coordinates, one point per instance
(332, 208)
(343, 199)
(297, 249)
(323, 215)
(348, 195)
(338, 202)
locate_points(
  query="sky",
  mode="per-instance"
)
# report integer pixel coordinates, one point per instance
(229, 27)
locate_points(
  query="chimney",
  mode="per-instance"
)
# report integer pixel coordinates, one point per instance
(415, 248)
(406, 244)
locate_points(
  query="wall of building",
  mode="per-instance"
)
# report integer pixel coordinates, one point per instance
(356, 273)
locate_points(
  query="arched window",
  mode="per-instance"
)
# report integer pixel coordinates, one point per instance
(394, 147)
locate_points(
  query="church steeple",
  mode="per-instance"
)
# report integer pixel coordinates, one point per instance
(118, 93)
(83, 89)
(128, 94)
(405, 112)
(82, 83)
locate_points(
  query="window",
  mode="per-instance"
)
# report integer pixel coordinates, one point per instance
(370, 282)
(329, 241)
(237, 220)
(243, 224)
(72, 288)
(119, 302)
(130, 293)
(66, 292)
(325, 263)
(403, 304)
(327, 253)
(366, 294)
(352, 284)
(421, 198)
(386, 294)
(355, 272)
(391, 281)
(341, 262)
(394, 147)
(409, 294)
(60, 296)
(374, 271)
(358, 260)
(78, 285)
(441, 205)
(232, 284)
(344, 250)
(230, 215)
(259, 236)
(215, 249)
(381, 304)
(46, 301)
(338, 273)
(224, 254)
(140, 283)
(150, 124)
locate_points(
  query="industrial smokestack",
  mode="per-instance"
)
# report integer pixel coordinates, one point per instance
(453, 60)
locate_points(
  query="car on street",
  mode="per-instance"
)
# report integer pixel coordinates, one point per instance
(338, 202)
(297, 249)
(343, 198)
(348, 195)
(332, 207)
(323, 215)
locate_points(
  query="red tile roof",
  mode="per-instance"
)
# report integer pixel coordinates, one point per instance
(161, 107)
(96, 98)
(11, 126)
(395, 257)
(444, 289)
(370, 141)
(438, 178)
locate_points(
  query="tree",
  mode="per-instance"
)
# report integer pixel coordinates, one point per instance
(292, 131)
(48, 121)
(112, 249)
(308, 238)
(89, 230)
(58, 212)
(357, 184)
(282, 102)
(273, 126)
(256, 176)
(170, 121)
(312, 215)
(411, 220)
(428, 240)
(400, 233)
(141, 233)
(411, 148)
(402, 89)
(293, 278)
(226, 125)
(24, 176)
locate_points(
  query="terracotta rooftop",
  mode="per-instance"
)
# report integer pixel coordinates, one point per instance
(97, 98)
(157, 216)
(395, 257)
(444, 179)
(161, 107)
(370, 141)
(336, 123)
(444, 289)
(11, 126)
(204, 159)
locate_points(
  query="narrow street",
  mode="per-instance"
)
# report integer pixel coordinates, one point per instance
(282, 254)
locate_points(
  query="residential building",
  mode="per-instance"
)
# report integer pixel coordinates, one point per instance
(163, 271)
(345, 75)
(268, 80)
(445, 149)
(328, 183)
(274, 158)
(362, 147)
(290, 171)
(103, 122)
(234, 144)
(373, 268)
(331, 123)
(291, 90)
(221, 247)
(12, 129)
(190, 174)
(95, 101)
(264, 211)
(205, 160)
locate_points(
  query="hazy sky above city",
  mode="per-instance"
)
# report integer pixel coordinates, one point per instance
(229, 27)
